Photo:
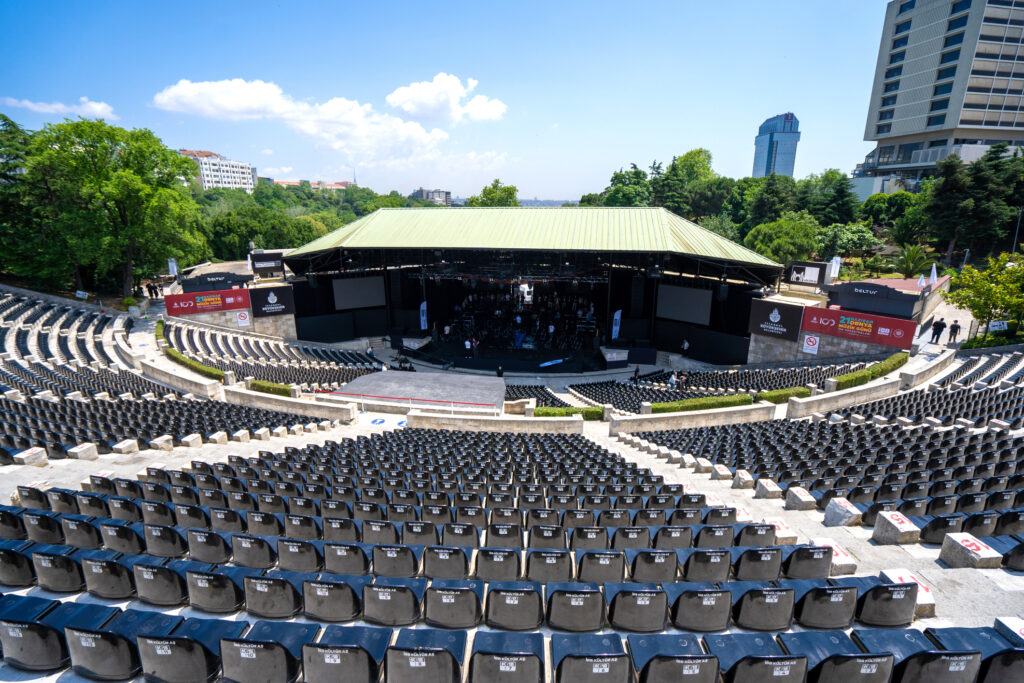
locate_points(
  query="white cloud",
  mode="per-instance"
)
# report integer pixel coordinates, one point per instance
(442, 100)
(267, 151)
(277, 171)
(366, 136)
(85, 107)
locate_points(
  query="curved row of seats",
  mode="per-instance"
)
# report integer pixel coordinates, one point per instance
(628, 397)
(758, 379)
(990, 370)
(544, 396)
(947, 405)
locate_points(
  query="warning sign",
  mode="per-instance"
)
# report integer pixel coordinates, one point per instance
(243, 318)
(811, 344)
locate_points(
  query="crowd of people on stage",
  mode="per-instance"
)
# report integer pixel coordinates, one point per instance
(507, 320)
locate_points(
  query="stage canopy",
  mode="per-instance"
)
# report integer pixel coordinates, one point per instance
(610, 230)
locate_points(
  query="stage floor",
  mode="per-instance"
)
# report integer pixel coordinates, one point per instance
(430, 388)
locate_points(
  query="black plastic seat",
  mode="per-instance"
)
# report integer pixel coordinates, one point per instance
(164, 541)
(882, 604)
(257, 552)
(40, 644)
(346, 558)
(820, 604)
(426, 655)
(669, 658)
(498, 564)
(189, 653)
(761, 606)
(397, 560)
(807, 562)
(276, 594)
(549, 565)
(637, 607)
(600, 566)
(270, 652)
(220, 590)
(109, 652)
(704, 564)
(349, 653)
(589, 658)
(919, 659)
(393, 601)
(507, 658)
(43, 526)
(16, 567)
(1001, 661)
(208, 546)
(514, 605)
(833, 658)
(300, 555)
(757, 564)
(453, 603)
(654, 566)
(446, 562)
(701, 607)
(575, 606)
(112, 577)
(755, 657)
(122, 536)
(165, 584)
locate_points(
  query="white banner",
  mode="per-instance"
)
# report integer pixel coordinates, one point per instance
(616, 322)
(82, 295)
(243, 318)
(811, 344)
(423, 315)
(172, 267)
(997, 326)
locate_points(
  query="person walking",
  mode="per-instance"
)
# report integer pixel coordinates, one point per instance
(636, 375)
(954, 331)
(686, 347)
(672, 381)
(937, 329)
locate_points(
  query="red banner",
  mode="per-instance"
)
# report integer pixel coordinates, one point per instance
(874, 329)
(207, 302)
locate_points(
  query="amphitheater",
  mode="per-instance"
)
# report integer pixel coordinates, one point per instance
(171, 527)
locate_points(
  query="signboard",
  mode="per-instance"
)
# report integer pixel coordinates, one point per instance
(811, 344)
(997, 326)
(806, 273)
(268, 301)
(423, 315)
(81, 295)
(243, 318)
(616, 323)
(172, 267)
(207, 302)
(873, 329)
(266, 265)
(770, 318)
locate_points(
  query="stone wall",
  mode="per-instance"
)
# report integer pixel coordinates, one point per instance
(759, 412)
(872, 391)
(910, 379)
(770, 350)
(536, 425)
(228, 319)
(345, 412)
(206, 388)
(276, 326)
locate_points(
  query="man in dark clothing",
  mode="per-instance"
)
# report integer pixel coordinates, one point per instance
(937, 329)
(636, 375)
(954, 331)
(500, 372)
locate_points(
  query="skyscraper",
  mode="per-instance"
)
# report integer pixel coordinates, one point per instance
(775, 146)
(948, 80)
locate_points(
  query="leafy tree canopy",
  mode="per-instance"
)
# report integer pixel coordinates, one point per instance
(495, 194)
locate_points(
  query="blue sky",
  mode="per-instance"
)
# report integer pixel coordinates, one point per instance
(549, 96)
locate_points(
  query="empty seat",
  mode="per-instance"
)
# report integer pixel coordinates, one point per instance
(507, 658)
(110, 652)
(589, 658)
(702, 607)
(189, 653)
(393, 601)
(349, 653)
(165, 584)
(833, 658)
(276, 594)
(426, 655)
(668, 658)
(919, 659)
(639, 607)
(882, 604)
(40, 644)
(334, 597)
(270, 652)
(753, 657)
(453, 603)
(16, 567)
(498, 564)
(515, 605)
(220, 590)
(113, 577)
(1000, 661)
(820, 604)
(575, 606)
(761, 606)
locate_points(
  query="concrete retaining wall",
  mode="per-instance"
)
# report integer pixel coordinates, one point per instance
(396, 408)
(536, 425)
(909, 380)
(804, 407)
(125, 352)
(205, 388)
(345, 412)
(759, 412)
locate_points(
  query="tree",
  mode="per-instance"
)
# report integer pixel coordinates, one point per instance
(495, 194)
(828, 197)
(592, 199)
(628, 188)
(708, 197)
(767, 202)
(876, 209)
(845, 240)
(988, 294)
(789, 238)
(672, 188)
(720, 225)
(912, 260)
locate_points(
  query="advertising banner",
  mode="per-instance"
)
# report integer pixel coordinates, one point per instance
(806, 273)
(616, 323)
(769, 318)
(207, 302)
(423, 315)
(266, 264)
(874, 329)
(268, 301)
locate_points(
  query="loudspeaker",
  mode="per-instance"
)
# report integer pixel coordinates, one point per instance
(311, 278)
(722, 293)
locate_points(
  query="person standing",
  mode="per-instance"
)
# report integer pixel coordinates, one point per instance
(636, 375)
(686, 347)
(468, 345)
(476, 347)
(954, 331)
(937, 329)
(500, 372)
(672, 381)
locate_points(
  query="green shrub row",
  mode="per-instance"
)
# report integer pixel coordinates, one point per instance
(588, 413)
(160, 331)
(1010, 336)
(703, 403)
(204, 370)
(873, 371)
(783, 395)
(270, 387)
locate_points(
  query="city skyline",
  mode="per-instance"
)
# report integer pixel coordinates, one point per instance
(550, 99)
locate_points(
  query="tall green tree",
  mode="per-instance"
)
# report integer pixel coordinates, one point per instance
(628, 188)
(848, 239)
(912, 260)
(789, 238)
(721, 225)
(989, 294)
(828, 197)
(495, 194)
(769, 200)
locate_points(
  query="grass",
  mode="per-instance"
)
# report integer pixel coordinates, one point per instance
(589, 413)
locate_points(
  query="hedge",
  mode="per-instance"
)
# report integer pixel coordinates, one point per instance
(703, 403)
(783, 395)
(204, 370)
(588, 413)
(160, 331)
(1000, 338)
(270, 387)
(873, 371)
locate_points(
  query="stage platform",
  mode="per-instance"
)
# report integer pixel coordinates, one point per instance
(429, 389)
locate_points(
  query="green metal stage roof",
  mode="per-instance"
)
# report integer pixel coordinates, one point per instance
(534, 228)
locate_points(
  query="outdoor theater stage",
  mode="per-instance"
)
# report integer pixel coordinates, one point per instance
(424, 389)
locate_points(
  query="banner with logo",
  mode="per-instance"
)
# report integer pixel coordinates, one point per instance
(207, 302)
(775, 319)
(865, 327)
(616, 323)
(268, 301)
(423, 315)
